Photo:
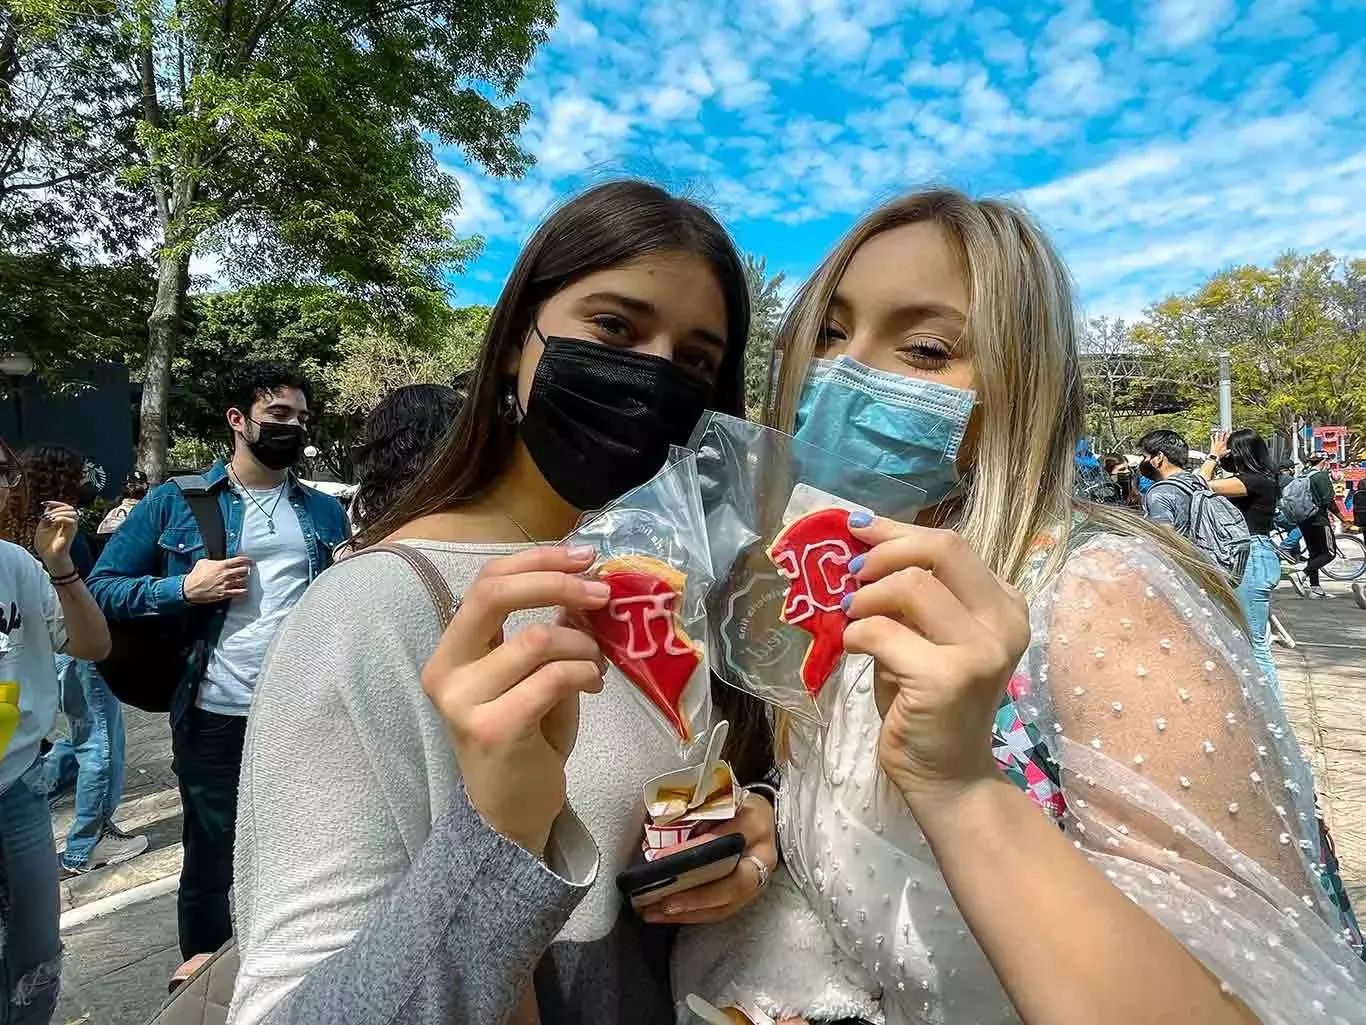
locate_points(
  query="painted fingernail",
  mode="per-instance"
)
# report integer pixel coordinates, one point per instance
(846, 602)
(858, 520)
(856, 563)
(581, 552)
(597, 589)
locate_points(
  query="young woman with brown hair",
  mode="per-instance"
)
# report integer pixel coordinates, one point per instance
(410, 857)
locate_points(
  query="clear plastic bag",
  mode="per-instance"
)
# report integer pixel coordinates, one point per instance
(653, 553)
(776, 516)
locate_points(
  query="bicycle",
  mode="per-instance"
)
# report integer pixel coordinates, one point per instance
(1349, 559)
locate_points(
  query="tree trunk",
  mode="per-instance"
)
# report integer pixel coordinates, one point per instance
(163, 336)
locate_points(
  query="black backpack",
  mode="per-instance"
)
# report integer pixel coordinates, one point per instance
(148, 657)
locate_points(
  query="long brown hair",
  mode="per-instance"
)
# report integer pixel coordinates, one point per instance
(605, 226)
(52, 473)
(1022, 326)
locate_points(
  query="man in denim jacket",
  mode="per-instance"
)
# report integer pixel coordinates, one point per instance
(280, 536)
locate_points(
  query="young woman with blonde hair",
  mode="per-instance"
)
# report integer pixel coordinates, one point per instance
(1065, 792)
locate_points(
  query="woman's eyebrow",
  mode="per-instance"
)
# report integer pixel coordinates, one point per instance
(626, 301)
(930, 311)
(708, 338)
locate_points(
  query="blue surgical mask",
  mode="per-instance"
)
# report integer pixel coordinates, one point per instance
(904, 427)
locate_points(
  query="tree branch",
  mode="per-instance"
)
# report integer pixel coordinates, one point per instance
(271, 12)
(151, 113)
(180, 54)
(374, 16)
(21, 134)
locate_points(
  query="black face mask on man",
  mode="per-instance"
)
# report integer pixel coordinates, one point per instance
(276, 446)
(1147, 469)
(600, 420)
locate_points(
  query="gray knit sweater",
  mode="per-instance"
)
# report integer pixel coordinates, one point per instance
(368, 892)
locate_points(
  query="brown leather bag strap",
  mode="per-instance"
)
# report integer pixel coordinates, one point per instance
(443, 601)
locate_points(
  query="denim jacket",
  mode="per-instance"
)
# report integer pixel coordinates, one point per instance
(142, 570)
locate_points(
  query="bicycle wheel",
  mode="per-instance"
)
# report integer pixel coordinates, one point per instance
(1350, 561)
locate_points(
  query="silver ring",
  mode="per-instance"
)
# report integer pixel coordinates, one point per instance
(760, 867)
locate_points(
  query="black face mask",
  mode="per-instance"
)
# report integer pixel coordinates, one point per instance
(1148, 470)
(1226, 463)
(600, 420)
(277, 446)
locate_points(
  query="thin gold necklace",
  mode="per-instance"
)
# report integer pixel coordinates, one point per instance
(513, 520)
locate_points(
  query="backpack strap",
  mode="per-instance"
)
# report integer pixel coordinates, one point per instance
(443, 600)
(1182, 485)
(208, 517)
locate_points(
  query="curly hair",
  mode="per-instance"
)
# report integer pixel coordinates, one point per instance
(399, 436)
(244, 384)
(52, 473)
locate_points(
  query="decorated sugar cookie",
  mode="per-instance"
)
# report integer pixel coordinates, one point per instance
(639, 631)
(813, 553)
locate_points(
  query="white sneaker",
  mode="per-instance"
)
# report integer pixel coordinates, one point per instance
(1318, 592)
(114, 848)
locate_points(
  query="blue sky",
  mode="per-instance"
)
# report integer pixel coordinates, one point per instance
(1159, 142)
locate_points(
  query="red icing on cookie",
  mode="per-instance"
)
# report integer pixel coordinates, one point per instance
(813, 553)
(639, 631)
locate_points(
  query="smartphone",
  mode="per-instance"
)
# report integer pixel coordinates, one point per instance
(652, 881)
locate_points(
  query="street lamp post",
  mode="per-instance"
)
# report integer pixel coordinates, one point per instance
(1225, 393)
(15, 366)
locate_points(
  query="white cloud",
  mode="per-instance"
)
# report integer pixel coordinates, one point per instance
(572, 28)
(1072, 78)
(1151, 153)
(1179, 23)
(673, 102)
(576, 132)
(478, 213)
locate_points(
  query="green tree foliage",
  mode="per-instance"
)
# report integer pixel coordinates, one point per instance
(351, 360)
(62, 312)
(1296, 336)
(68, 111)
(290, 138)
(766, 307)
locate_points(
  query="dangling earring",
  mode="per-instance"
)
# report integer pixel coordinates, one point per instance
(511, 409)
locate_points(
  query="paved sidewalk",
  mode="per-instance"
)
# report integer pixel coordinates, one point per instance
(1323, 686)
(118, 958)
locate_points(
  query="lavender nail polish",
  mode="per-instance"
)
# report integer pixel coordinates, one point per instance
(858, 520)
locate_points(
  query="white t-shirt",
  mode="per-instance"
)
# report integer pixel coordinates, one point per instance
(32, 630)
(278, 578)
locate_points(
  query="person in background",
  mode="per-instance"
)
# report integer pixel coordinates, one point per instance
(1117, 468)
(1165, 458)
(134, 491)
(399, 437)
(91, 760)
(45, 609)
(1318, 529)
(1252, 486)
(279, 536)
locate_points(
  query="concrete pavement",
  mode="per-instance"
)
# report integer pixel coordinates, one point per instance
(119, 923)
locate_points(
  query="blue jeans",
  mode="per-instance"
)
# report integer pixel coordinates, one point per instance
(92, 760)
(30, 941)
(1262, 575)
